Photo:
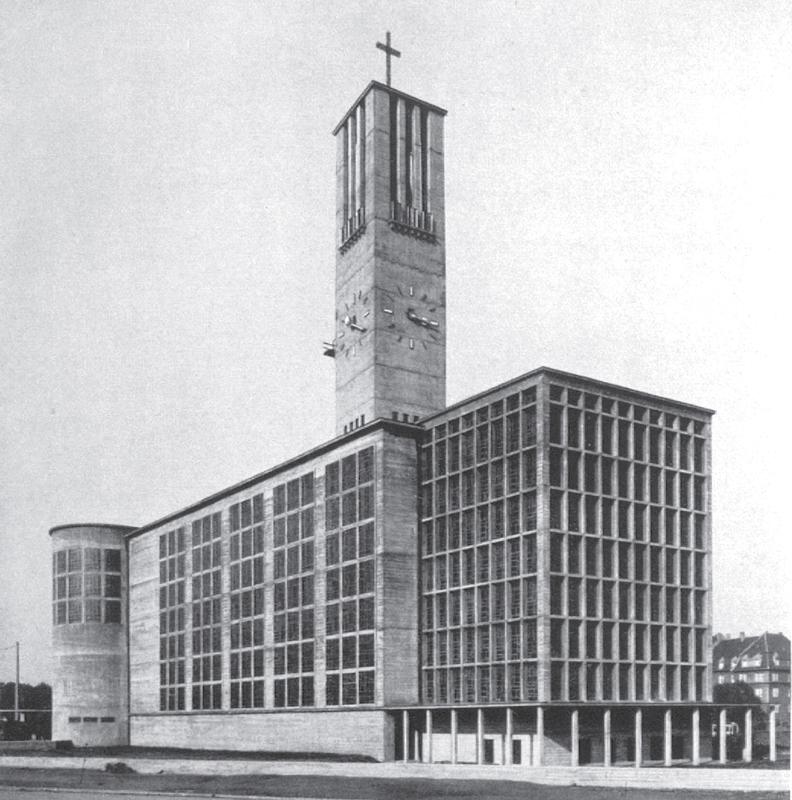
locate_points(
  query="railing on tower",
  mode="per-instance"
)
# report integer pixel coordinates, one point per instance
(407, 219)
(353, 228)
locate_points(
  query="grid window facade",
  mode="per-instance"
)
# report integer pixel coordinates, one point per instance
(293, 592)
(246, 579)
(629, 550)
(479, 557)
(86, 585)
(350, 579)
(172, 558)
(206, 613)
(624, 503)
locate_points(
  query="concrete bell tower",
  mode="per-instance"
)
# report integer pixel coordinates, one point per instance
(390, 320)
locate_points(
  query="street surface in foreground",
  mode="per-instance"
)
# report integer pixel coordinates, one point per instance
(90, 785)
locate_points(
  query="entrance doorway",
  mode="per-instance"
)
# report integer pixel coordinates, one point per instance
(584, 751)
(489, 751)
(516, 751)
(655, 748)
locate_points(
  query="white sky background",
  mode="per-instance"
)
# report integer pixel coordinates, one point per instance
(617, 206)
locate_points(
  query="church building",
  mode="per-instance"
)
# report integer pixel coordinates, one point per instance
(521, 577)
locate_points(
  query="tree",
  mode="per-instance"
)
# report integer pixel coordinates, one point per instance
(741, 693)
(738, 693)
(30, 697)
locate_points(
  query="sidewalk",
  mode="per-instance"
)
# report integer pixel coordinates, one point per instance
(734, 779)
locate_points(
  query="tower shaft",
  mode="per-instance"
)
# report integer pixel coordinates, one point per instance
(390, 263)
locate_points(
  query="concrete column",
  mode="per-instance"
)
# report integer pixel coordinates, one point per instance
(454, 736)
(748, 740)
(695, 724)
(539, 749)
(575, 737)
(405, 735)
(638, 737)
(507, 755)
(772, 732)
(722, 736)
(429, 735)
(667, 733)
(480, 736)
(416, 744)
(606, 738)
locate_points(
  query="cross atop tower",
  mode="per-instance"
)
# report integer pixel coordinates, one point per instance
(389, 51)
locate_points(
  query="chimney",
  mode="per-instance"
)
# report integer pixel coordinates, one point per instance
(742, 635)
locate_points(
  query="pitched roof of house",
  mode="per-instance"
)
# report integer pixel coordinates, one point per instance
(770, 647)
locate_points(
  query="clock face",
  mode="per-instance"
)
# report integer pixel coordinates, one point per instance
(354, 319)
(411, 315)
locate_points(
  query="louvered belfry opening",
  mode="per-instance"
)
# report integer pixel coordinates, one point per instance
(410, 165)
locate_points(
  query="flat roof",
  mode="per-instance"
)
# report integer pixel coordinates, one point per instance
(567, 376)
(390, 90)
(388, 425)
(106, 525)
(397, 428)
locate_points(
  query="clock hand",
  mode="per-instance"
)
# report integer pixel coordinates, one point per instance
(422, 321)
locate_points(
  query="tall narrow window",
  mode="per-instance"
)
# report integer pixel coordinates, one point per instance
(172, 556)
(207, 593)
(246, 572)
(293, 592)
(350, 594)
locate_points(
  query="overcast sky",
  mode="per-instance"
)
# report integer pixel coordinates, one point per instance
(617, 206)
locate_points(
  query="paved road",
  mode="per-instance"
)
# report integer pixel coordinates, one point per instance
(36, 794)
(77, 784)
(82, 794)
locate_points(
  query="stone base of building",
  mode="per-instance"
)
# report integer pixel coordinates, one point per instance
(363, 733)
(89, 729)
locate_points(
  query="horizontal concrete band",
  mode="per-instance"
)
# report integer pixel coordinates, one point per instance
(746, 780)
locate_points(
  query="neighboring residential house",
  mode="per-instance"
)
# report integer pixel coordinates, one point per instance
(762, 664)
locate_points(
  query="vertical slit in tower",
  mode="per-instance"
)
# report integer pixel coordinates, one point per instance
(425, 159)
(351, 162)
(408, 151)
(361, 165)
(394, 147)
(417, 160)
(345, 177)
(401, 167)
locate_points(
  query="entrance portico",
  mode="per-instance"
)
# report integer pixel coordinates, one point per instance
(570, 734)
